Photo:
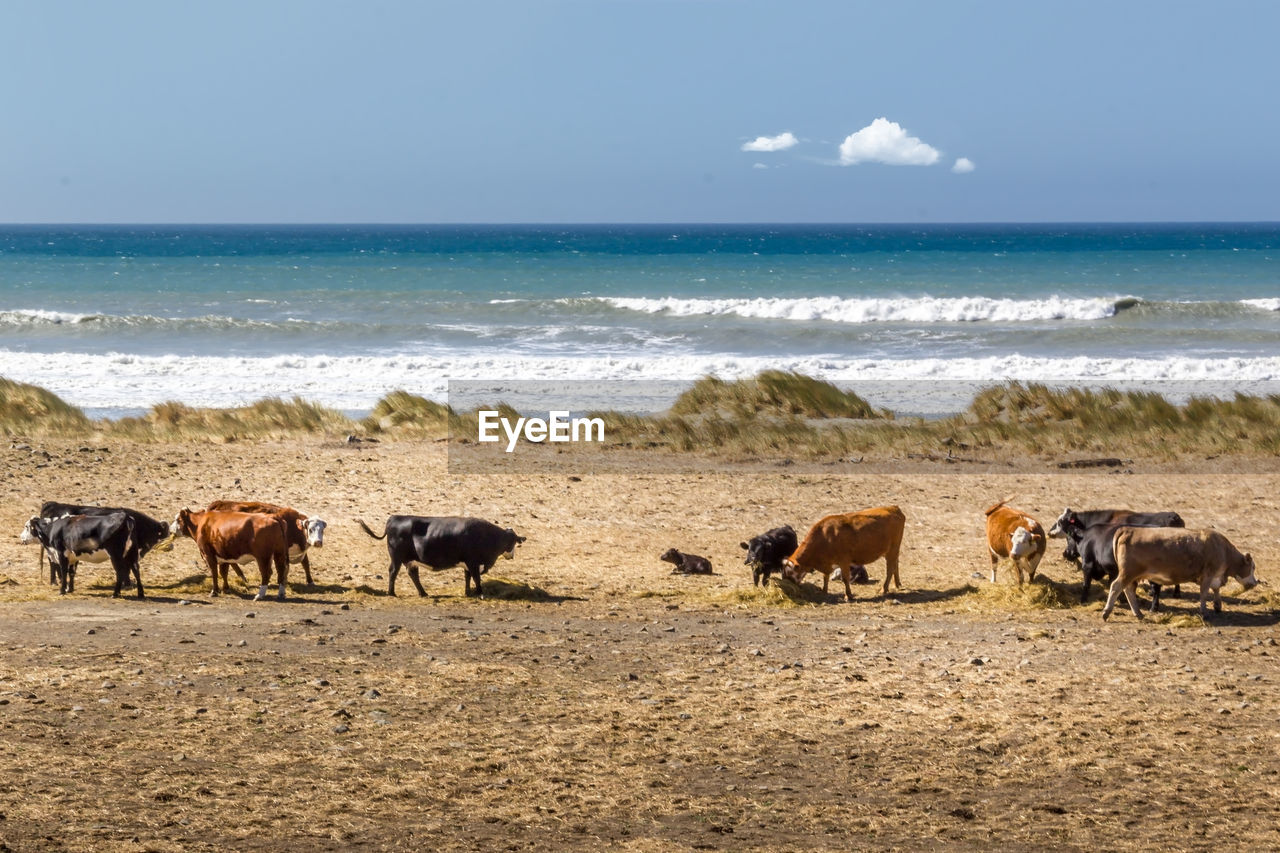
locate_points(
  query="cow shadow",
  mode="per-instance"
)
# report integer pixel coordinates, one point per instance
(928, 596)
(495, 589)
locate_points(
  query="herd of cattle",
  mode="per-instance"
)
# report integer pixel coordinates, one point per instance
(1119, 546)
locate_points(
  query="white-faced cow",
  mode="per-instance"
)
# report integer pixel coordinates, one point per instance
(239, 537)
(72, 539)
(1172, 555)
(1014, 535)
(848, 540)
(415, 541)
(304, 532)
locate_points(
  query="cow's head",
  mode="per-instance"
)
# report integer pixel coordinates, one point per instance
(1067, 519)
(314, 530)
(1021, 543)
(671, 555)
(181, 523)
(1247, 578)
(514, 541)
(31, 530)
(793, 571)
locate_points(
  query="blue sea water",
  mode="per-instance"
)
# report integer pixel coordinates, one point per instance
(122, 317)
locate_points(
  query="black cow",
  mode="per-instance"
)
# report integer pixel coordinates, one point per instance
(1096, 546)
(766, 552)
(686, 564)
(91, 538)
(1080, 521)
(415, 541)
(147, 531)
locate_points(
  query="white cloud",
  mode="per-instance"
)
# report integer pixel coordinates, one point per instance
(963, 166)
(781, 142)
(759, 166)
(885, 141)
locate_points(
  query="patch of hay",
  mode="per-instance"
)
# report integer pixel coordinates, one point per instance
(1040, 594)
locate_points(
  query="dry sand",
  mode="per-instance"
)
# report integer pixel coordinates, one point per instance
(598, 702)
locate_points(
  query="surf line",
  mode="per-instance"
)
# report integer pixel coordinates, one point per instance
(557, 427)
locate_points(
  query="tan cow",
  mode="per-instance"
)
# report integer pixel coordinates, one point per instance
(238, 537)
(1016, 536)
(1173, 555)
(304, 532)
(846, 540)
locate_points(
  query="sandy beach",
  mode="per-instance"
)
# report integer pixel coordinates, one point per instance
(593, 700)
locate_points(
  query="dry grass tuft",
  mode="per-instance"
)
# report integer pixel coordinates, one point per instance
(1040, 594)
(269, 418)
(772, 392)
(408, 414)
(28, 409)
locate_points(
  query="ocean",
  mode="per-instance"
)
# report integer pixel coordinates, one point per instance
(118, 318)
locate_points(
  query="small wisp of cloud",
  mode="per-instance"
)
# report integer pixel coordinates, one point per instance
(885, 141)
(781, 142)
(963, 166)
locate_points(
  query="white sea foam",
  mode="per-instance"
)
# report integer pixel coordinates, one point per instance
(123, 381)
(36, 316)
(1264, 304)
(926, 309)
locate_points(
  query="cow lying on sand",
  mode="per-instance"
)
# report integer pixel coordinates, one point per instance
(1016, 536)
(846, 540)
(415, 541)
(238, 537)
(766, 552)
(1171, 555)
(686, 564)
(71, 539)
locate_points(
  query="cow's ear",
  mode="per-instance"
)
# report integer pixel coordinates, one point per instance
(743, 546)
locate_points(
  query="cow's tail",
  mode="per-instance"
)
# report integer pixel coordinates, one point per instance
(995, 506)
(370, 532)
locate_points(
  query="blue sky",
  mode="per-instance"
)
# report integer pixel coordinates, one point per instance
(637, 111)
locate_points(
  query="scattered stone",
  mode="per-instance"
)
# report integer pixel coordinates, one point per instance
(372, 693)
(341, 729)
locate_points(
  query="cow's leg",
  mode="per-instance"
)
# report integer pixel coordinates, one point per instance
(122, 574)
(264, 576)
(1155, 597)
(826, 579)
(53, 569)
(475, 571)
(1112, 596)
(995, 561)
(417, 581)
(391, 578)
(891, 569)
(306, 569)
(845, 575)
(211, 560)
(71, 577)
(282, 572)
(1084, 588)
(1017, 567)
(1217, 599)
(1204, 597)
(755, 575)
(137, 574)
(1135, 603)
(1033, 564)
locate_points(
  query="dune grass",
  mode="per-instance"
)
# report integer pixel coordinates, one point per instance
(775, 414)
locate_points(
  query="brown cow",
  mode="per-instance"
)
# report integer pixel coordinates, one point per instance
(238, 537)
(1016, 536)
(850, 539)
(1172, 555)
(304, 532)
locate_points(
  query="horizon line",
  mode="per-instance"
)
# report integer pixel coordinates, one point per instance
(634, 223)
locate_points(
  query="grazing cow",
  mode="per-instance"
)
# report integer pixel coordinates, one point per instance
(686, 564)
(71, 539)
(766, 552)
(441, 542)
(304, 532)
(1173, 555)
(846, 540)
(1089, 540)
(1081, 521)
(147, 531)
(238, 537)
(1014, 535)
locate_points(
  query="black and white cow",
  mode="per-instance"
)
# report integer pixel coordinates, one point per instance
(147, 531)
(415, 541)
(1083, 520)
(90, 538)
(766, 552)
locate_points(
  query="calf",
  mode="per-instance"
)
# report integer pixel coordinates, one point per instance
(238, 537)
(148, 532)
(1172, 555)
(442, 542)
(686, 564)
(1014, 535)
(304, 532)
(846, 540)
(71, 539)
(766, 552)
